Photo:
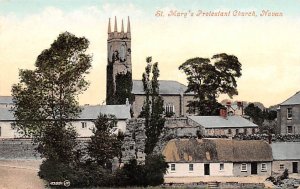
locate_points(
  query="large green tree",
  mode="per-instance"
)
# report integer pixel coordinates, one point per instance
(208, 78)
(153, 106)
(46, 98)
(104, 144)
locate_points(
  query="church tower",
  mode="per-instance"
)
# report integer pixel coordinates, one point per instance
(119, 70)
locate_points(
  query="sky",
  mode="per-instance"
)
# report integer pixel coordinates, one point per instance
(267, 46)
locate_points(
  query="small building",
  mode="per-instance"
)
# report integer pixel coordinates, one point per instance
(217, 157)
(172, 92)
(83, 124)
(288, 115)
(220, 125)
(286, 155)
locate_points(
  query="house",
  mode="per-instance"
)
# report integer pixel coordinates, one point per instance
(172, 92)
(223, 125)
(286, 155)
(83, 124)
(217, 157)
(288, 115)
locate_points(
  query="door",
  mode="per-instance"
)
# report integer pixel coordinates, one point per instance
(206, 169)
(295, 167)
(253, 168)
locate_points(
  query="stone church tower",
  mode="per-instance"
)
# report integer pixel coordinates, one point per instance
(119, 70)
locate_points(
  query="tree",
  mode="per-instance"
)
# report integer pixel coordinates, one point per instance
(255, 113)
(104, 145)
(208, 80)
(153, 106)
(46, 97)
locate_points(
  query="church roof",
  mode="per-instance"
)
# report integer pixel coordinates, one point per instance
(286, 150)
(217, 150)
(88, 112)
(295, 99)
(92, 112)
(221, 122)
(166, 87)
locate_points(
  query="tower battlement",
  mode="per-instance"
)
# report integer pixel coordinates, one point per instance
(118, 35)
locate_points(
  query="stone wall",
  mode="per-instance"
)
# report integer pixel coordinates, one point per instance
(17, 149)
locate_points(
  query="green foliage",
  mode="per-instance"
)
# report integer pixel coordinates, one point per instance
(153, 106)
(209, 80)
(118, 92)
(104, 145)
(149, 174)
(123, 88)
(255, 114)
(46, 97)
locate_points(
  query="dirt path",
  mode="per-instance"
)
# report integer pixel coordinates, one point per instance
(20, 174)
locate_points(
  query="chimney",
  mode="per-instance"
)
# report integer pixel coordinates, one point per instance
(127, 102)
(223, 113)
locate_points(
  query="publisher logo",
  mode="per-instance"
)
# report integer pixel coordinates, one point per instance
(65, 183)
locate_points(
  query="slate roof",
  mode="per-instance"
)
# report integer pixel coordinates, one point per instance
(295, 99)
(220, 122)
(92, 112)
(286, 150)
(217, 150)
(88, 112)
(166, 87)
(6, 114)
(6, 100)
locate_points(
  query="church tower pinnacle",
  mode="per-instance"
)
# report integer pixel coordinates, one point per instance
(118, 64)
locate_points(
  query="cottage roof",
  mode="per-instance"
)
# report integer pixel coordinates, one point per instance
(6, 100)
(295, 99)
(221, 122)
(217, 150)
(92, 112)
(166, 87)
(286, 150)
(88, 112)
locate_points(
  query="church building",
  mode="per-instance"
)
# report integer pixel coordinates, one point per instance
(121, 89)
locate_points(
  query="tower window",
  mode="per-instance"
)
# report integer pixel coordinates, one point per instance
(169, 109)
(289, 112)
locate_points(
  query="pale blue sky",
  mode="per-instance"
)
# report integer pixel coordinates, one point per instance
(267, 47)
(25, 7)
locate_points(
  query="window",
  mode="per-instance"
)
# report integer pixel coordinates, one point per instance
(245, 131)
(173, 167)
(237, 131)
(244, 167)
(12, 125)
(169, 109)
(191, 167)
(83, 125)
(289, 113)
(289, 129)
(281, 166)
(229, 131)
(263, 167)
(253, 131)
(221, 166)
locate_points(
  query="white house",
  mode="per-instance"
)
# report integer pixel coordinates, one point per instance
(224, 125)
(216, 157)
(83, 124)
